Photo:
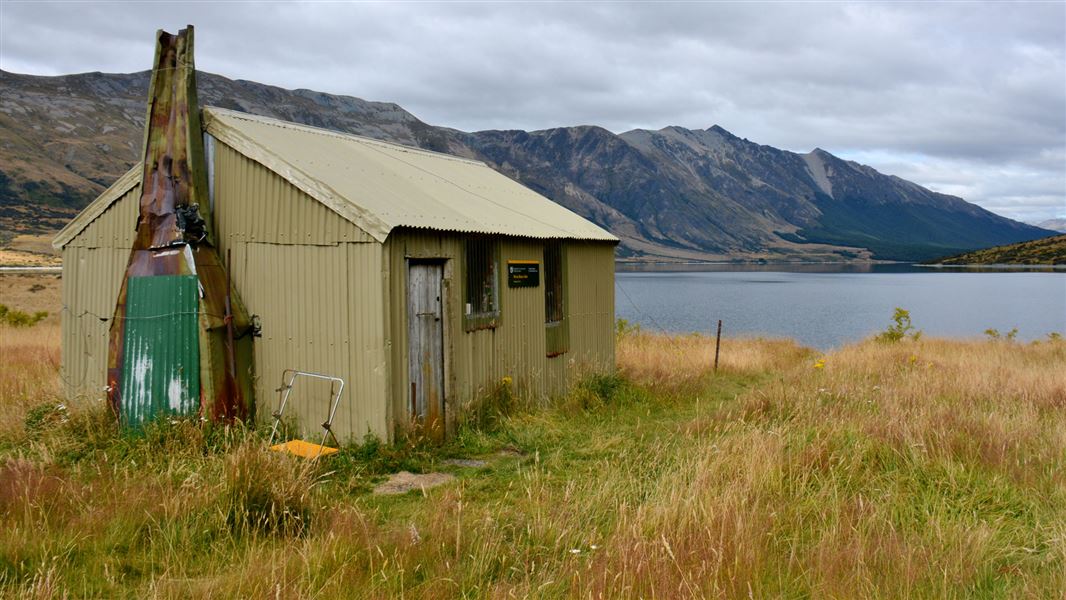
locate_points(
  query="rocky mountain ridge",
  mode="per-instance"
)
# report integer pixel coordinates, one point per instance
(671, 194)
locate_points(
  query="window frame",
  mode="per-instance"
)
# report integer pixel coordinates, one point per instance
(556, 332)
(474, 321)
(552, 272)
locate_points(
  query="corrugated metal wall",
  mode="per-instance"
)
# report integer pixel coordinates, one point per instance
(478, 360)
(321, 311)
(115, 227)
(93, 264)
(314, 280)
(590, 302)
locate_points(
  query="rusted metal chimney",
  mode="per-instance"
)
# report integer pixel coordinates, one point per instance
(179, 342)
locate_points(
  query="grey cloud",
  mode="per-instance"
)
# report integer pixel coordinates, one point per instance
(965, 98)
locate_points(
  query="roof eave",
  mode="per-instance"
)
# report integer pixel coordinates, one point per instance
(606, 238)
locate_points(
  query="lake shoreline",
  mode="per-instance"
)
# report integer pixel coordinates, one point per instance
(826, 307)
(830, 267)
(995, 267)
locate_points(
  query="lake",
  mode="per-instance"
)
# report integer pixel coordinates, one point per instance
(824, 306)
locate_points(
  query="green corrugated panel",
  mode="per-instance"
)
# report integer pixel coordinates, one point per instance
(161, 362)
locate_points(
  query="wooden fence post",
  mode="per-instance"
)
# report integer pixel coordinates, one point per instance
(717, 344)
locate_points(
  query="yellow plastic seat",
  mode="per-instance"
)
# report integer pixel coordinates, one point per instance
(304, 449)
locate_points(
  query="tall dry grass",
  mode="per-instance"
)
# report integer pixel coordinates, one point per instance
(929, 469)
(679, 361)
(29, 371)
(908, 470)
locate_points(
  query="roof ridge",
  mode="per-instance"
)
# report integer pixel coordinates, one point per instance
(282, 124)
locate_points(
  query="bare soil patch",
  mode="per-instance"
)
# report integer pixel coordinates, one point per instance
(470, 463)
(403, 482)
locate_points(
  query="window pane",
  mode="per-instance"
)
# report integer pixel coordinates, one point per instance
(553, 282)
(481, 276)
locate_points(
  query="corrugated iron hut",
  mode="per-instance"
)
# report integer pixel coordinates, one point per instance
(421, 279)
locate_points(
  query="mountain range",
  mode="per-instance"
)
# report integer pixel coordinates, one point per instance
(669, 194)
(1058, 225)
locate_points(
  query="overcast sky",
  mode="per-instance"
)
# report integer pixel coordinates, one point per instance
(964, 98)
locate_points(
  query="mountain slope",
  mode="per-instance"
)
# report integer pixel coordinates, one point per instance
(668, 194)
(1045, 251)
(899, 219)
(1053, 224)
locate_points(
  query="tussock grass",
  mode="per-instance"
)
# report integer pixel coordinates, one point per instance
(267, 492)
(928, 468)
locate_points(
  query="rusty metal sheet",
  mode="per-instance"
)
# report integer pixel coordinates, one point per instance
(161, 357)
(173, 238)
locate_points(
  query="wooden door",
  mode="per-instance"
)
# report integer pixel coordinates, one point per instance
(425, 325)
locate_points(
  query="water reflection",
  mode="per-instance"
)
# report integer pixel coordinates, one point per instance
(825, 306)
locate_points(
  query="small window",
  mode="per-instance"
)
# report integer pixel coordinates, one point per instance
(482, 292)
(553, 282)
(556, 325)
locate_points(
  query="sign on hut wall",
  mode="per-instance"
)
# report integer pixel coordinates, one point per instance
(523, 273)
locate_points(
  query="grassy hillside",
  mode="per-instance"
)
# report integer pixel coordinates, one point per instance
(1046, 251)
(907, 470)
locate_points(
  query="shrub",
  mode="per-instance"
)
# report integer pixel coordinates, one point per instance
(598, 390)
(900, 328)
(623, 328)
(994, 334)
(17, 318)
